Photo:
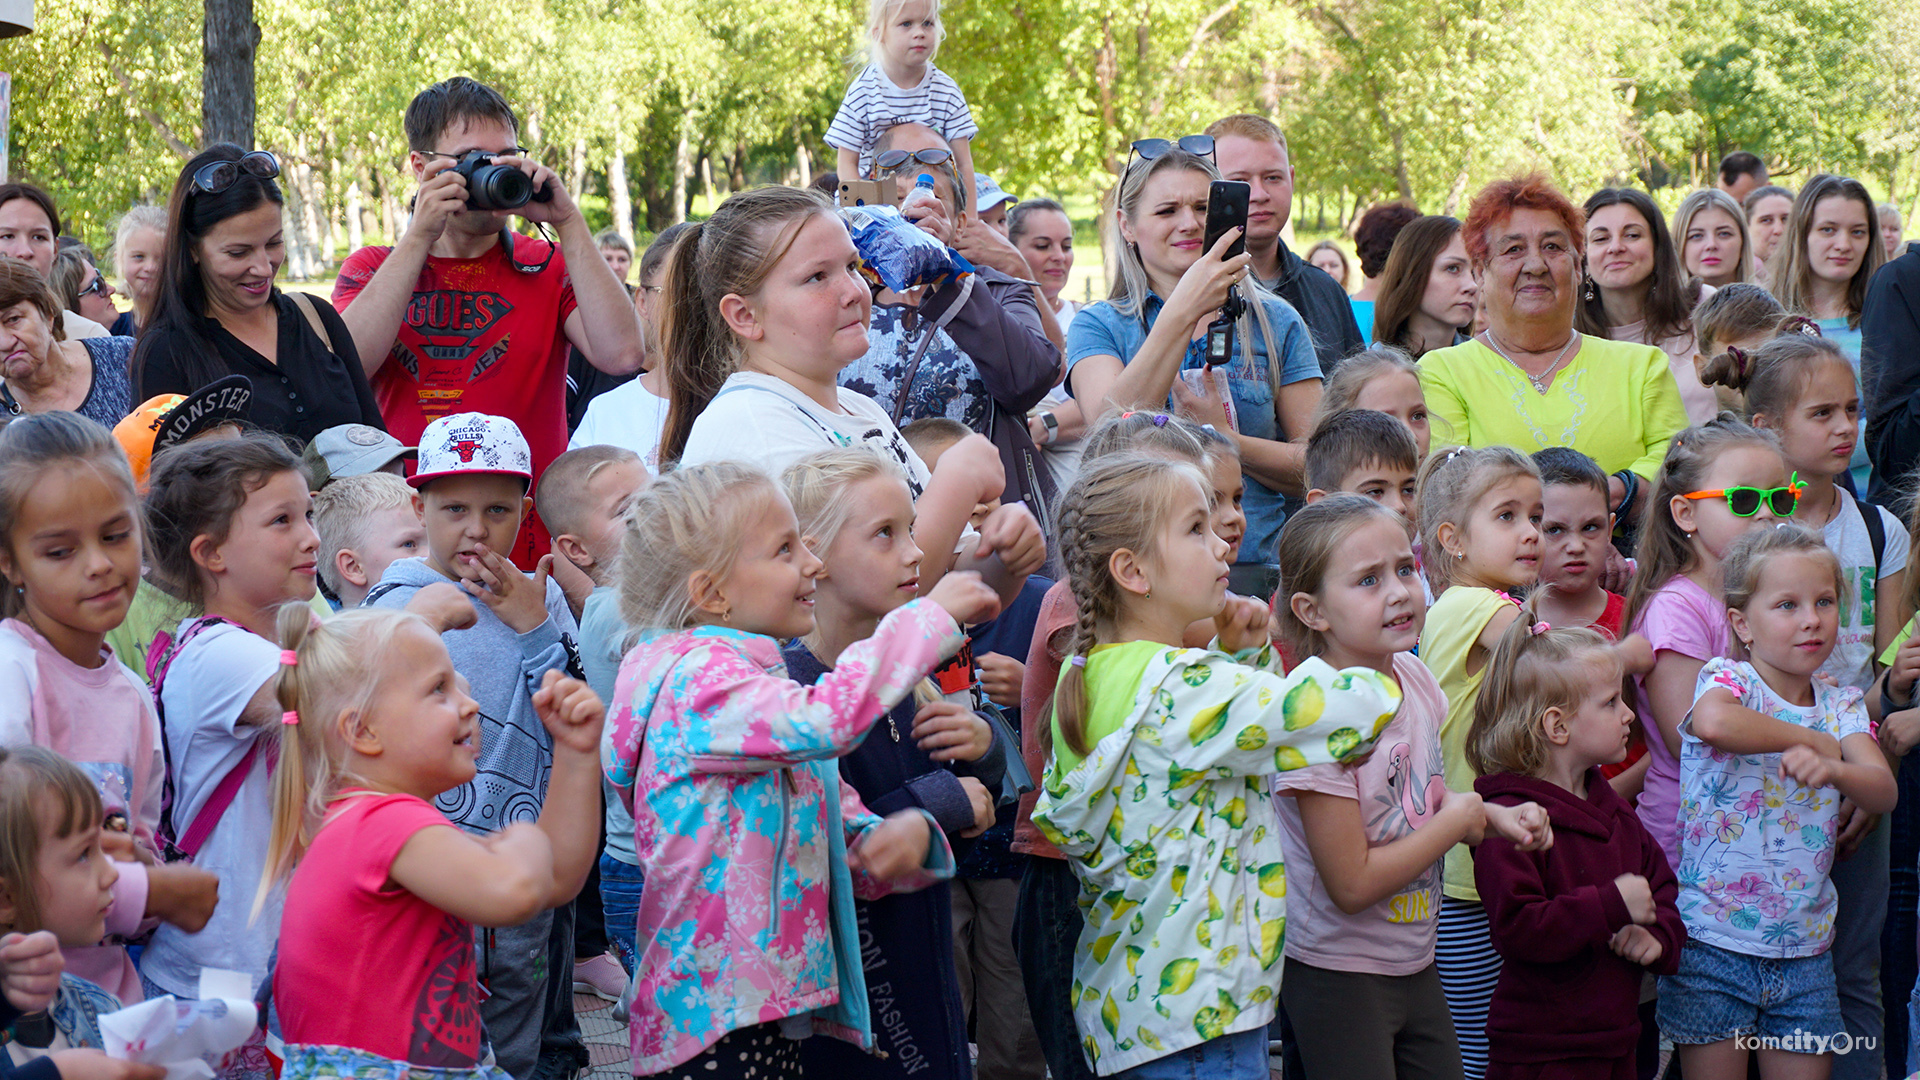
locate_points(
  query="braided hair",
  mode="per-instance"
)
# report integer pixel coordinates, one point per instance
(1117, 502)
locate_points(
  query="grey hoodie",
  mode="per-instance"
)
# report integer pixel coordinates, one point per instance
(504, 669)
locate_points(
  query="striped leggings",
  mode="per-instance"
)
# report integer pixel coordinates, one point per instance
(1469, 968)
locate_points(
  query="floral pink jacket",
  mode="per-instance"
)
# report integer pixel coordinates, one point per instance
(742, 827)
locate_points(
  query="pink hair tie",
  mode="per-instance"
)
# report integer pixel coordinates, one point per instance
(290, 717)
(1539, 628)
(290, 659)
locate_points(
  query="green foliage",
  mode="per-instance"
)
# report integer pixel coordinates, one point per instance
(1419, 99)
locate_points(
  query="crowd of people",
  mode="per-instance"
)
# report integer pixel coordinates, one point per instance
(1497, 663)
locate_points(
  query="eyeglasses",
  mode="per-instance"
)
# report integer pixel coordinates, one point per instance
(1148, 149)
(99, 285)
(217, 176)
(511, 151)
(1745, 501)
(893, 160)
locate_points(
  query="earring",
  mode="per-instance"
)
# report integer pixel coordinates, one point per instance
(727, 615)
(1589, 288)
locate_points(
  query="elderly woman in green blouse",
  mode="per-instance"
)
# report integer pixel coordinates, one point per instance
(1530, 380)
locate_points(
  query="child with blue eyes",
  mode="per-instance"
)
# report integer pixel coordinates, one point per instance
(1364, 842)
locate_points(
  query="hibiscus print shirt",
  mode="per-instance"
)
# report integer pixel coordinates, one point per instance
(1756, 850)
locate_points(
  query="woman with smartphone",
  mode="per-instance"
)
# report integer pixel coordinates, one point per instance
(1130, 350)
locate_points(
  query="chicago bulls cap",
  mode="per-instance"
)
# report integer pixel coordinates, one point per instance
(472, 443)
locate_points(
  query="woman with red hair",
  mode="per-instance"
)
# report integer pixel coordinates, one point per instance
(1530, 380)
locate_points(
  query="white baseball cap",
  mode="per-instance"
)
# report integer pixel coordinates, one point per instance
(472, 442)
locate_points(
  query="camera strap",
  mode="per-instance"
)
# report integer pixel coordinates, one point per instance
(507, 236)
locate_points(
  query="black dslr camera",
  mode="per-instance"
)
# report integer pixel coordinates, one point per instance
(496, 187)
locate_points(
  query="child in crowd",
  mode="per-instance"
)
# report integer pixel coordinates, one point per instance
(1138, 722)
(228, 531)
(857, 517)
(742, 393)
(471, 492)
(54, 877)
(1576, 529)
(900, 85)
(376, 970)
(1801, 388)
(1479, 520)
(348, 450)
(1576, 925)
(1364, 844)
(1047, 922)
(1718, 480)
(366, 523)
(1768, 753)
(1229, 490)
(215, 411)
(744, 830)
(632, 414)
(986, 886)
(70, 552)
(583, 497)
(1736, 319)
(1366, 452)
(1385, 379)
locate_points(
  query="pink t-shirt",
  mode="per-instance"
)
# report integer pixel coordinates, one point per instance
(1399, 788)
(101, 719)
(349, 936)
(1683, 618)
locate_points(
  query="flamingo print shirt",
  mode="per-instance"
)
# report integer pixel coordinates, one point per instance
(1399, 789)
(1756, 850)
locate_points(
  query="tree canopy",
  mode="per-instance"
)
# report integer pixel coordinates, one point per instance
(643, 104)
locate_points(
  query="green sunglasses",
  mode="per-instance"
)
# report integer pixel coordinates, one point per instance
(1745, 501)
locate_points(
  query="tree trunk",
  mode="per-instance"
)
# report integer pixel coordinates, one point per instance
(737, 172)
(356, 223)
(577, 168)
(706, 179)
(682, 168)
(619, 201)
(312, 214)
(803, 160)
(229, 40)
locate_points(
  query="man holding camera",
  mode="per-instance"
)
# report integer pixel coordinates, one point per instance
(463, 315)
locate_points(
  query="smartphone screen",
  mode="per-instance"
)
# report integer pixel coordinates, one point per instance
(1227, 209)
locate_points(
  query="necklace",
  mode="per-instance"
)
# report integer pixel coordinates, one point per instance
(1542, 380)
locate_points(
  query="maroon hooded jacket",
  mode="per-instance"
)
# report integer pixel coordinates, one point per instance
(1562, 992)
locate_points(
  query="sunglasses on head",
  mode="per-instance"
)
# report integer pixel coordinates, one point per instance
(1745, 501)
(217, 176)
(1199, 145)
(895, 159)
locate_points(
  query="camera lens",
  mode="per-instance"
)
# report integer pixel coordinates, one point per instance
(498, 187)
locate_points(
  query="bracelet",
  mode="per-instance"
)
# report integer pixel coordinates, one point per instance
(1630, 481)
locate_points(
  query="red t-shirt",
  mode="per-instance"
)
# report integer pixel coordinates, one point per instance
(367, 964)
(478, 336)
(1613, 623)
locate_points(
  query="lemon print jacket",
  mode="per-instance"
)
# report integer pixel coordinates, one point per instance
(1169, 826)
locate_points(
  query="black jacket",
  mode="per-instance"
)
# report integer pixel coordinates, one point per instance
(1322, 304)
(1890, 368)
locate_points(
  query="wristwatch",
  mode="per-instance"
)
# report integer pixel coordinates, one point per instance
(1052, 424)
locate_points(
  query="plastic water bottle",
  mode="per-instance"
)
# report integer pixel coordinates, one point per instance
(922, 192)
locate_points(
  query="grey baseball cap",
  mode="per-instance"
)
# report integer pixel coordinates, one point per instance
(350, 450)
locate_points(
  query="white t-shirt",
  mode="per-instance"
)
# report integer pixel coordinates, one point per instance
(1852, 661)
(873, 104)
(1062, 455)
(763, 421)
(210, 682)
(629, 416)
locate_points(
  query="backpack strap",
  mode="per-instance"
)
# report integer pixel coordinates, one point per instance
(305, 303)
(160, 659)
(1876, 530)
(190, 842)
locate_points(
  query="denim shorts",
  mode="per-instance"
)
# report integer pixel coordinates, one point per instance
(1719, 994)
(306, 1061)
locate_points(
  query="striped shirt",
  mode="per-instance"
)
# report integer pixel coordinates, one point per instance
(873, 104)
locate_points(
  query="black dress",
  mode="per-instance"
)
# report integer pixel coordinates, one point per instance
(310, 389)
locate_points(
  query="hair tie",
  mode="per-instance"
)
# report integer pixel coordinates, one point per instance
(290, 717)
(1077, 661)
(290, 659)
(1161, 420)
(1739, 360)
(1539, 628)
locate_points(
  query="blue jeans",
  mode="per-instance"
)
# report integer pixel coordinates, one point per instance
(620, 884)
(1240, 1056)
(1046, 928)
